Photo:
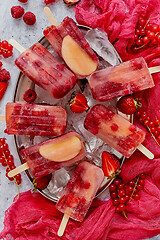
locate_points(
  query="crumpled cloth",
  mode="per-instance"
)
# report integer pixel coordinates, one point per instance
(32, 216)
(119, 19)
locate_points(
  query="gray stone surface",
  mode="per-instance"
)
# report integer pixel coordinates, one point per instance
(26, 36)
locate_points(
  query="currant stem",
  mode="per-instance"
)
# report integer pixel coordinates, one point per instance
(136, 183)
(125, 215)
(153, 136)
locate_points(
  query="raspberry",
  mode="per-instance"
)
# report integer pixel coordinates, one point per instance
(23, 1)
(4, 75)
(29, 95)
(17, 11)
(29, 18)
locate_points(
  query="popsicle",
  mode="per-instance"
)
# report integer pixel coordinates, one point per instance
(70, 44)
(114, 130)
(45, 70)
(34, 119)
(123, 79)
(48, 156)
(80, 191)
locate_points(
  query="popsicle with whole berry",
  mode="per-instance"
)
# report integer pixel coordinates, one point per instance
(48, 156)
(38, 64)
(123, 79)
(70, 44)
(35, 119)
(79, 193)
(114, 130)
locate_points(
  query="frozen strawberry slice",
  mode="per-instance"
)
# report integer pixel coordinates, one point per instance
(109, 164)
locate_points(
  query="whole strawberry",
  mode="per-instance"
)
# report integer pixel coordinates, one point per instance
(127, 105)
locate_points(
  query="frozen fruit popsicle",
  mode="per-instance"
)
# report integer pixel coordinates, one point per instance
(46, 71)
(53, 154)
(120, 80)
(33, 119)
(80, 191)
(114, 129)
(69, 42)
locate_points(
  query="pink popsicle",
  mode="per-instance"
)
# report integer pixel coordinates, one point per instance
(33, 119)
(80, 191)
(114, 130)
(120, 80)
(46, 71)
(58, 36)
(41, 166)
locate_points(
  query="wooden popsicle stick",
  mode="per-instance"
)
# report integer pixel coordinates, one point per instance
(155, 69)
(15, 44)
(19, 169)
(2, 118)
(63, 225)
(145, 151)
(50, 16)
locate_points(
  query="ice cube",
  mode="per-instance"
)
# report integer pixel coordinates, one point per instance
(99, 42)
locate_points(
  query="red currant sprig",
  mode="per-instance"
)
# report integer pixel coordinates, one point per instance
(152, 126)
(122, 193)
(146, 34)
(6, 49)
(7, 160)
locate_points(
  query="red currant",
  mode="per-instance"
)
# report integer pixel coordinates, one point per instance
(142, 32)
(158, 38)
(136, 196)
(113, 194)
(115, 202)
(122, 199)
(2, 141)
(120, 186)
(148, 26)
(121, 192)
(141, 182)
(112, 188)
(122, 207)
(127, 197)
(139, 42)
(142, 21)
(142, 176)
(155, 28)
(151, 35)
(139, 187)
(151, 124)
(117, 210)
(131, 183)
(146, 40)
(158, 128)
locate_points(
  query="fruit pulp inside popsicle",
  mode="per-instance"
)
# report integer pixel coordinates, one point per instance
(69, 42)
(46, 71)
(114, 130)
(33, 119)
(120, 80)
(80, 191)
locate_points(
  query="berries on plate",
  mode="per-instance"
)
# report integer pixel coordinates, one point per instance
(4, 75)
(29, 18)
(109, 164)
(71, 2)
(6, 49)
(127, 105)
(17, 11)
(3, 87)
(78, 103)
(29, 95)
(23, 1)
(42, 183)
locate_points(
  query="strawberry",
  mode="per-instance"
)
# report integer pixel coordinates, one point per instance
(78, 103)
(127, 105)
(42, 183)
(109, 164)
(3, 87)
